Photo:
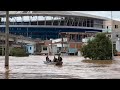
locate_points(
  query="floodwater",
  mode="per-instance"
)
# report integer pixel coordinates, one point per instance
(73, 67)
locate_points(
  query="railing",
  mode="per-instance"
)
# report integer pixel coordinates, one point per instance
(42, 24)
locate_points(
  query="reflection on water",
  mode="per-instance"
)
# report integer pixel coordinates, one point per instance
(7, 72)
(32, 67)
(99, 61)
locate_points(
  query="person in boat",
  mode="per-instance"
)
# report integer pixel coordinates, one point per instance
(59, 58)
(55, 59)
(47, 59)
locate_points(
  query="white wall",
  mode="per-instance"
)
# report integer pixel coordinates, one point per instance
(45, 51)
(54, 49)
(85, 40)
(118, 45)
(59, 40)
(60, 45)
(31, 49)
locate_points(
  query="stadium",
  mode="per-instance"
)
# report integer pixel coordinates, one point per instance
(47, 25)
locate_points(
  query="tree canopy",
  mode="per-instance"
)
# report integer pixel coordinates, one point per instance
(100, 48)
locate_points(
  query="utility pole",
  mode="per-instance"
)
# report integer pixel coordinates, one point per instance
(112, 35)
(51, 47)
(62, 43)
(2, 47)
(7, 41)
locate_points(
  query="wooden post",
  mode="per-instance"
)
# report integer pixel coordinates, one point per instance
(7, 41)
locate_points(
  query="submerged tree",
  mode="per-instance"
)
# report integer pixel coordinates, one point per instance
(100, 48)
(19, 52)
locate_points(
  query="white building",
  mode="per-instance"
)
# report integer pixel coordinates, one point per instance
(57, 46)
(31, 48)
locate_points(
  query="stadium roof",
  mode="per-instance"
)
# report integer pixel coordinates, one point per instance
(48, 13)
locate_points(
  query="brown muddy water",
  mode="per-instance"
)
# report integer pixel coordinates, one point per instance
(33, 67)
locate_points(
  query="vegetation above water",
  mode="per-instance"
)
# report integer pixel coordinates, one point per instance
(99, 61)
(100, 48)
(19, 52)
(2, 52)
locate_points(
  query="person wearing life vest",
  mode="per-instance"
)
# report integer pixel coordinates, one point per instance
(55, 59)
(47, 58)
(59, 58)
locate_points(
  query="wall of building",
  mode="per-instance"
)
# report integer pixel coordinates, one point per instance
(45, 49)
(47, 42)
(107, 25)
(44, 33)
(75, 45)
(118, 45)
(31, 49)
(54, 49)
(114, 28)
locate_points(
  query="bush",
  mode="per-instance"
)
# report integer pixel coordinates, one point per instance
(19, 52)
(2, 51)
(99, 48)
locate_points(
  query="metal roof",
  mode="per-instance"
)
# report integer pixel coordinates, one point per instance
(52, 13)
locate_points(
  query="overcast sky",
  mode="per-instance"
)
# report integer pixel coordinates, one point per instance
(116, 14)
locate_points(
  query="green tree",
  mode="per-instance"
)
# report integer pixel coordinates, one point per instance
(2, 52)
(100, 48)
(19, 52)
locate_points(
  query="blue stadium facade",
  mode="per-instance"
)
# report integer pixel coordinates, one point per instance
(44, 33)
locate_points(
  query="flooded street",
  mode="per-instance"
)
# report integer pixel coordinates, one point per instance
(33, 67)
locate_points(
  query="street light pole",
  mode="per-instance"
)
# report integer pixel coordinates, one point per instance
(7, 41)
(112, 35)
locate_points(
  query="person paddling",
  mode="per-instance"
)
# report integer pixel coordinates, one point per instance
(59, 58)
(47, 58)
(55, 59)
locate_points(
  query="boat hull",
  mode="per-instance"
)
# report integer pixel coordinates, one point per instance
(53, 63)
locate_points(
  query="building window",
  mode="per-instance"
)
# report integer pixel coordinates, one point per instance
(116, 26)
(44, 48)
(107, 27)
(117, 35)
(30, 48)
(73, 37)
(109, 36)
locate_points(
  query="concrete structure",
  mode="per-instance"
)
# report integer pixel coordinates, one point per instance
(45, 50)
(118, 45)
(75, 40)
(59, 46)
(79, 54)
(30, 48)
(114, 28)
(68, 45)
(48, 24)
(18, 41)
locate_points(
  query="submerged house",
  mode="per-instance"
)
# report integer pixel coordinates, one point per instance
(30, 48)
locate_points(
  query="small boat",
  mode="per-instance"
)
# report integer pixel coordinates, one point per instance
(59, 63)
(52, 63)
